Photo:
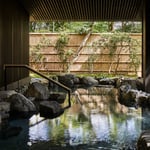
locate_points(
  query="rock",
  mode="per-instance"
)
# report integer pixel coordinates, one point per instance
(125, 88)
(4, 110)
(107, 81)
(127, 96)
(20, 103)
(50, 109)
(59, 97)
(6, 94)
(134, 83)
(68, 80)
(39, 80)
(139, 84)
(4, 106)
(142, 99)
(38, 90)
(144, 141)
(89, 82)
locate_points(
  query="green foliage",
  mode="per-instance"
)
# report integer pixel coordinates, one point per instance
(100, 27)
(61, 43)
(98, 75)
(57, 26)
(83, 27)
(92, 57)
(115, 43)
(74, 27)
(134, 58)
(35, 51)
(64, 55)
(129, 27)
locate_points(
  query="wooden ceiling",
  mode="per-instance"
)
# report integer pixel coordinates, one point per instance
(84, 10)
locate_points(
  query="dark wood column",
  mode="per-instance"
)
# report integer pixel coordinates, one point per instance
(14, 40)
(146, 45)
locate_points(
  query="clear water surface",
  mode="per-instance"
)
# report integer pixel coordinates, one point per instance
(99, 123)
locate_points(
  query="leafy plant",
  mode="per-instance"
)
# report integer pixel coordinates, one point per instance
(115, 43)
(63, 53)
(36, 54)
(82, 27)
(92, 57)
(134, 58)
(85, 28)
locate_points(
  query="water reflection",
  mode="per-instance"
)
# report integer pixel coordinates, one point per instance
(145, 119)
(78, 129)
(100, 122)
(39, 131)
(97, 122)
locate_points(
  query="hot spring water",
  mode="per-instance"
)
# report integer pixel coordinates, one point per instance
(97, 122)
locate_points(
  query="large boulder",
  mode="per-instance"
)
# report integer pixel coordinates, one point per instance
(39, 80)
(136, 84)
(69, 80)
(89, 82)
(127, 96)
(107, 81)
(143, 142)
(50, 109)
(6, 94)
(38, 91)
(143, 99)
(4, 110)
(59, 97)
(20, 103)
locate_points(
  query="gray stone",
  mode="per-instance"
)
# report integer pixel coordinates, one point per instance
(144, 141)
(6, 94)
(50, 109)
(20, 103)
(107, 81)
(89, 81)
(59, 97)
(128, 97)
(40, 80)
(68, 79)
(38, 90)
(4, 110)
(134, 83)
(5, 106)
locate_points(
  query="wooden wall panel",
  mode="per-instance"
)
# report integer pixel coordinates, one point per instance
(14, 39)
(49, 61)
(1, 44)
